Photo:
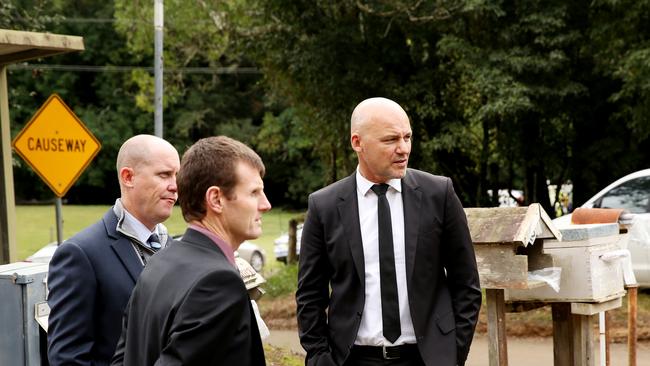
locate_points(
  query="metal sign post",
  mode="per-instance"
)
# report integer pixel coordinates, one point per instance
(59, 221)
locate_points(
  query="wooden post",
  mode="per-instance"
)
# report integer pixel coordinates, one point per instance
(291, 250)
(562, 333)
(497, 342)
(7, 203)
(632, 292)
(583, 339)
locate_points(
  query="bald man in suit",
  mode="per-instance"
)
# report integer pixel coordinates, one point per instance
(92, 274)
(387, 270)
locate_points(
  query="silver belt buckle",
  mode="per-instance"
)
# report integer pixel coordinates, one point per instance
(385, 354)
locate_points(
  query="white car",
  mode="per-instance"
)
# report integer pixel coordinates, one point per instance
(632, 193)
(250, 252)
(281, 245)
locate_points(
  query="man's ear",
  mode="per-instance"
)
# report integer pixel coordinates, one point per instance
(355, 141)
(127, 176)
(214, 199)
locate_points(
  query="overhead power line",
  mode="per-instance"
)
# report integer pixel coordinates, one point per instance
(111, 68)
(60, 20)
(57, 19)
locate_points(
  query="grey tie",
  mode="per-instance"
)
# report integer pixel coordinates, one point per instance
(154, 242)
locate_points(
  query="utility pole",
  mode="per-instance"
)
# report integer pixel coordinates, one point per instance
(158, 67)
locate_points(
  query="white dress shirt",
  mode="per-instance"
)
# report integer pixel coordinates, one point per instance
(370, 330)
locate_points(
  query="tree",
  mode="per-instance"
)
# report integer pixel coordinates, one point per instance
(102, 100)
(506, 94)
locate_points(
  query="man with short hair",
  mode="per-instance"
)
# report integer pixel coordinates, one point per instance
(190, 306)
(387, 270)
(92, 274)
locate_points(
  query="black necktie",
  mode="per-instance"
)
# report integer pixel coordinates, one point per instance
(154, 242)
(388, 279)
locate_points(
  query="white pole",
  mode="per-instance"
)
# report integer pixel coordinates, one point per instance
(158, 66)
(601, 331)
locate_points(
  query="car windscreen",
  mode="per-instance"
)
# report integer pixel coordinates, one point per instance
(632, 195)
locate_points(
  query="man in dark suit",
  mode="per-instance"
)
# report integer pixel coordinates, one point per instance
(92, 274)
(387, 270)
(190, 306)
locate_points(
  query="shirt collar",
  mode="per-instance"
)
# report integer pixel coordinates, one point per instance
(225, 247)
(137, 228)
(128, 225)
(364, 185)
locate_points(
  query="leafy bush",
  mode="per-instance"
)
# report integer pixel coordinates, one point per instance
(282, 282)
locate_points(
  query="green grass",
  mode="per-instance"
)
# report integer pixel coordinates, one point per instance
(276, 356)
(36, 226)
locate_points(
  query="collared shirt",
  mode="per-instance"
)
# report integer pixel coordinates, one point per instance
(225, 247)
(141, 232)
(133, 229)
(370, 330)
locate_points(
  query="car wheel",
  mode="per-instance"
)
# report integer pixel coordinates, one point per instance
(257, 261)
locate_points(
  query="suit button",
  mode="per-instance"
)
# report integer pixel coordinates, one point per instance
(359, 313)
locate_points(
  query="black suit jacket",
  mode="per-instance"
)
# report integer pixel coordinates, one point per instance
(442, 278)
(190, 307)
(90, 279)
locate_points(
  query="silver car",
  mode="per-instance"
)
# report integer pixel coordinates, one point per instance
(281, 245)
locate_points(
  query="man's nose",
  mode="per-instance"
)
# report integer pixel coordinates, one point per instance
(265, 205)
(403, 147)
(172, 185)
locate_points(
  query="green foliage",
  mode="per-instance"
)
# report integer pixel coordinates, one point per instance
(291, 162)
(29, 15)
(501, 94)
(282, 282)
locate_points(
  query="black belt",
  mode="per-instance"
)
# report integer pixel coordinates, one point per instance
(387, 353)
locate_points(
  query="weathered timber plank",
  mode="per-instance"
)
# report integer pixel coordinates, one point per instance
(41, 40)
(497, 341)
(583, 340)
(500, 267)
(562, 334)
(17, 46)
(520, 225)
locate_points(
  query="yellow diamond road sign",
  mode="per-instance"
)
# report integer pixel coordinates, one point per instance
(57, 145)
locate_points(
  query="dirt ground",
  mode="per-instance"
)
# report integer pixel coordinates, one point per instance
(280, 313)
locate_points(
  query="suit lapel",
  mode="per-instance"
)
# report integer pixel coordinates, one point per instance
(411, 198)
(124, 250)
(349, 213)
(122, 246)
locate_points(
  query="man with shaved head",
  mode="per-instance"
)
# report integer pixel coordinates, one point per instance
(92, 274)
(387, 270)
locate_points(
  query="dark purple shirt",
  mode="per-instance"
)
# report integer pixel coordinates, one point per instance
(225, 247)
